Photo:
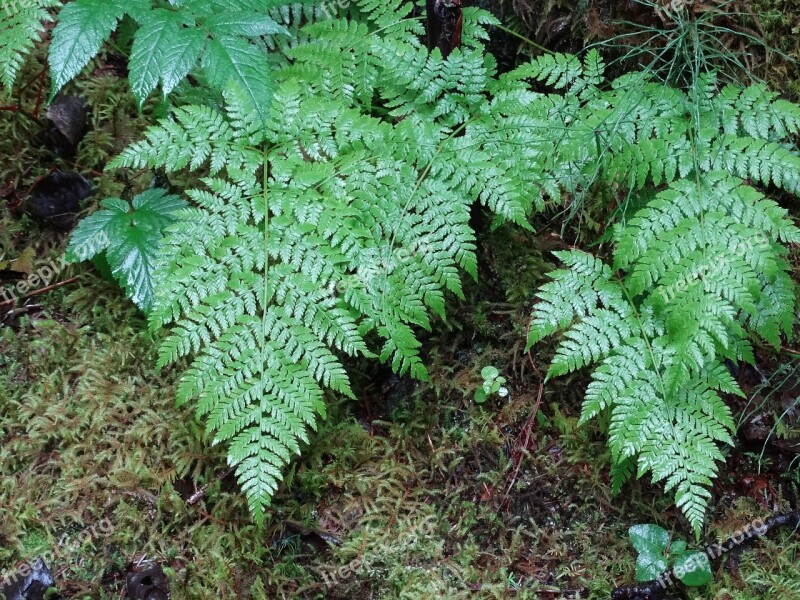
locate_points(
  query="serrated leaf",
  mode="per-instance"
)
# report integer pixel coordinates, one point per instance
(131, 238)
(83, 26)
(180, 57)
(234, 59)
(244, 24)
(157, 35)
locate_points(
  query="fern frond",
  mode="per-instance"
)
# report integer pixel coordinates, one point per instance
(21, 26)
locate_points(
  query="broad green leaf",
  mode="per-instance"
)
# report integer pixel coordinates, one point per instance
(693, 568)
(130, 237)
(244, 24)
(83, 26)
(155, 38)
(649, 566)
(489, 372)
(650, 541)
(649, 538)
(677, 548)
(234, 59)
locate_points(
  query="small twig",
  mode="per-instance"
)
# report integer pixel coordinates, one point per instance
(39, 96)
(200, 494)
(44, 289)
(528, 427)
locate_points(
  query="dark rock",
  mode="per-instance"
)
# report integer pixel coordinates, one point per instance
(57, 198)
(32, 586)
(66, 124)
(149, 584)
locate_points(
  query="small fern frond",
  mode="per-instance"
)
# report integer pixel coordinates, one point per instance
(22, 23)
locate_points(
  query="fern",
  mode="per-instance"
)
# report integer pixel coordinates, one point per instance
(698, 269)
(335, 227)
(21, 26)
(332, 219)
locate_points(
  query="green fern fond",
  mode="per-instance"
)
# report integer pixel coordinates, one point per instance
(21, 27)
(698, 269)
(333, 221)
(335, 229)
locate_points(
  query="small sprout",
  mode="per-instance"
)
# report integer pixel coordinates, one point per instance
(656, 555)
(493, 383)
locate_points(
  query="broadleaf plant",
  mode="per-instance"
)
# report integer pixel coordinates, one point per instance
(129, 237)
(225, 39)
(657, 554)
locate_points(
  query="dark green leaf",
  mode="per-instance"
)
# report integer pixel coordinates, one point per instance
(693, 568)
(83, 26)
(131, 239)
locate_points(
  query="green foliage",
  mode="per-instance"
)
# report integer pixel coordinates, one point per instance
(129, 239)
(227, 38)
(656, 555)
(493, 383)
(697, 270)
(339, 224)
(21, 27)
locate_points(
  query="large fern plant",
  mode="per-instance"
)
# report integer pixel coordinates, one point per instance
(337, 226)
(699, 268)
(332, 220)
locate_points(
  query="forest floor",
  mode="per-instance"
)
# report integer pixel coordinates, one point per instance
(414, 491)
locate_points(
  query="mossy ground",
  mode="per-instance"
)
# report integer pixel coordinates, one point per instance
(424, 493)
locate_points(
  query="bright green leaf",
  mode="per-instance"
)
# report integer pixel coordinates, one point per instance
(693, 568)
(130, 237)
(83, 26)
(489, 372)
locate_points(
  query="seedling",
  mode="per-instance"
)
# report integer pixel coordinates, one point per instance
(493, 383)
(657, 554)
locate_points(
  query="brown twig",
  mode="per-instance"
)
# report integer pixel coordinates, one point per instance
(199, 494)
(38, 104)
(44, 289)
(528, 427)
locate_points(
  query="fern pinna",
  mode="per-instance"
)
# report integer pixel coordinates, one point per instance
(22, 24)
(339, 222)
(697, 270)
